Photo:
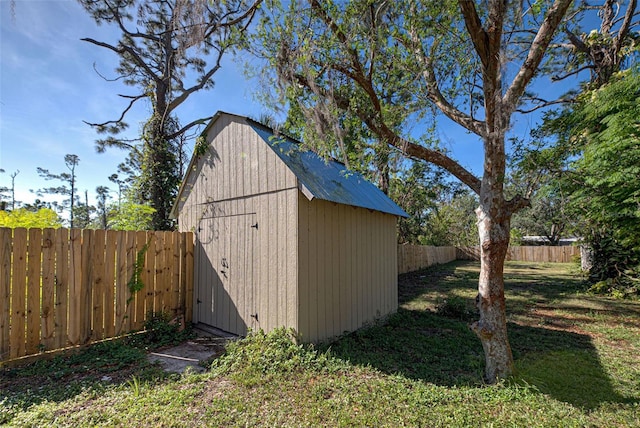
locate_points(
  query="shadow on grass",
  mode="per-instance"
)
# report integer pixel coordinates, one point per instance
(94, 370)
(424, 345)
(563, 365)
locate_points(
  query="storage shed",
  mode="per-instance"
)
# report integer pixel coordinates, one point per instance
(284, 237)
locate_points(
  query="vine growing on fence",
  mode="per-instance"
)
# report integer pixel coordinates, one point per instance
(135, 283)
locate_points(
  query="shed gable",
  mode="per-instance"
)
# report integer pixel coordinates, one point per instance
(236, 164)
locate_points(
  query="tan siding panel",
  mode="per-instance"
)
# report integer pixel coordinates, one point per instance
(272, 252)
(325, 312)
(350, 263)
(313, 274)
(303, 267)
(292, 259)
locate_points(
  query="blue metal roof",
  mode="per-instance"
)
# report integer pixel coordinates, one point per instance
(327, 179)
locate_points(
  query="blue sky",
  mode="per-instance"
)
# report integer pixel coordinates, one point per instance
(48, 86)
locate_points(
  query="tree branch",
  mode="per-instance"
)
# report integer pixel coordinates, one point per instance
(249, 11)
(576, 42)
(558, 78)
(133, 98)
(389, 136)
(536, 52)
(545, 104)
(517, 203)
(185, 128)
(626, 24)
(203, 81)
(105, 78)
(120, 51)
(479, 37)
(117, 16)
(434, 94)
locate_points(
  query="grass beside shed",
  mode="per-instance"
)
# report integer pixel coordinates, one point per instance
(577, 358)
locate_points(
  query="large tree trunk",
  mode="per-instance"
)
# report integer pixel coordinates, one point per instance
(491, 328)
(494, 224)
(161, 165)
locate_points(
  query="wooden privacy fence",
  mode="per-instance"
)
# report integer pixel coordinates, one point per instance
(61, 288)
(558, 254)
(416, 257)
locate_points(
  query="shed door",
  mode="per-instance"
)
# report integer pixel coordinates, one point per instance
(225, 296)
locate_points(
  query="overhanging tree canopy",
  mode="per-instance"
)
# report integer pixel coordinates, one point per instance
(391, 64)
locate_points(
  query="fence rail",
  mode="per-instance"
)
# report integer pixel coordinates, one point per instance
(61, 288)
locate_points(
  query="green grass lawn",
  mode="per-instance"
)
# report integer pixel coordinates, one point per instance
(577, 358)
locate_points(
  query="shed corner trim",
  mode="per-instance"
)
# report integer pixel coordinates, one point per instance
(305, 191)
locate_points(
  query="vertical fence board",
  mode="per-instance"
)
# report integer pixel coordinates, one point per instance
(98, 285)
(33, 290)
(122, 290)
(167, 274)
(160, 277)
(47, 323)
(61, 288)
(18, 293)
(188, 259)
(109, 282)
(5, 291)
(183, 271)
(174, 290)
(130, 299)
(86, 285)
(75, 281)
(141, 241)
(121, 283)
(150, 278)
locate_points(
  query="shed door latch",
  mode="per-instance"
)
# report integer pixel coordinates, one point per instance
(255, 225)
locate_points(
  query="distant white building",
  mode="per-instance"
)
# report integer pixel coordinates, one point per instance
(543, 240)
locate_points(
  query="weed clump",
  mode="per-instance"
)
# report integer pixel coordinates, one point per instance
(458, 308)
(262, 355)
(160, 330)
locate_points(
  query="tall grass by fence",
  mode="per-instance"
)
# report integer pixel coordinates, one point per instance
(416, 257)
(61, 288)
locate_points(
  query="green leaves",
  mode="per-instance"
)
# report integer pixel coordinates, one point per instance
(603, 133)
(41, 219)
(135, 283)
